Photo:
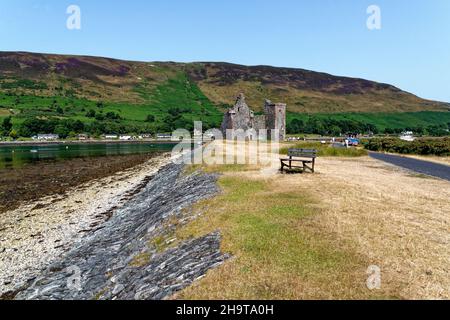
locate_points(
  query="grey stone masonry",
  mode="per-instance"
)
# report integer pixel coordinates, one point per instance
(241, 117)
(276, 117)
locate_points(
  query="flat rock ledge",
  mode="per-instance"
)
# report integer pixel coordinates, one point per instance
(135, 254)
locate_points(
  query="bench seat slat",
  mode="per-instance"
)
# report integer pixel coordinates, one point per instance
(297, 160)
(302, 153)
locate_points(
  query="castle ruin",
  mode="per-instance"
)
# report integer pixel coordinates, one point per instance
(241, 117)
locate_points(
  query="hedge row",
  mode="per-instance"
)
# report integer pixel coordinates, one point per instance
(431, 146)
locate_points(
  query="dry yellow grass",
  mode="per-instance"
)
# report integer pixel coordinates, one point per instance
(314, 236)
(399, 221)
(4, 112)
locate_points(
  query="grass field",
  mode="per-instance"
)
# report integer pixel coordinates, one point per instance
(313, 236)
(277, 255)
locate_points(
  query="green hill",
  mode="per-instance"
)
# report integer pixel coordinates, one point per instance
(70, 94)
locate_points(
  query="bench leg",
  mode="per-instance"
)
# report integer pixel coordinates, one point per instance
(306, 167)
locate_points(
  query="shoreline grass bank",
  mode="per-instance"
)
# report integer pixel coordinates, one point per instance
(315, 236)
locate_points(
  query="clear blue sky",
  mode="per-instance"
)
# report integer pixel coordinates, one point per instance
(411, 51)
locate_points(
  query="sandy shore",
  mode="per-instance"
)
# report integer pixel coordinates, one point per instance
(33, 235)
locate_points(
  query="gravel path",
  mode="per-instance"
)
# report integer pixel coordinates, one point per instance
(419, 166)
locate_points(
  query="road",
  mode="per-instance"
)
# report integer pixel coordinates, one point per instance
(420, 166)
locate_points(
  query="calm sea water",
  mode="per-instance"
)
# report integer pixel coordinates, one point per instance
(18, 156)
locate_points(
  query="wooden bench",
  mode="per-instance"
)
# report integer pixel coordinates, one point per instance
(305, 157)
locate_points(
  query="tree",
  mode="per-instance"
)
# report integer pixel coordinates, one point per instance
(13, 134)
(112, 116)
(90, 114)
(77, 126)
(62, 130)
(335, 130)
(33, 126)
(389, 131)
(150, 118)
(6, 126)
(296, 126)
(59, 110)
(99, 116)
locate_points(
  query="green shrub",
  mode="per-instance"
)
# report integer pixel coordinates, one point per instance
(425, 146)
(324, 150)
(25, 84)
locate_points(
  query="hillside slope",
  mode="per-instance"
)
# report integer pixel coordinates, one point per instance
(124, 81)
(141, 96)
(305, 91)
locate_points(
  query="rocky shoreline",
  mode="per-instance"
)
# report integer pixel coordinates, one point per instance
(134, 254)
(39, 231)
(60, 178)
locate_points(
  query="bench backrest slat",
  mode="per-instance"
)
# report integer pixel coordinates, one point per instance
(302, 153)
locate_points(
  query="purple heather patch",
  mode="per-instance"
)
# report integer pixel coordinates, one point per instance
(36, 63)
(123, 70)
(73, 64)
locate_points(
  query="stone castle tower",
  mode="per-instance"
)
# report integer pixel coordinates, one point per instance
(275, 114)
(241, 117)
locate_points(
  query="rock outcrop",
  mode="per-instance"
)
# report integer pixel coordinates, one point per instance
(134, 255)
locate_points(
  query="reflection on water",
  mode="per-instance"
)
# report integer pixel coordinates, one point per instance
(18, 156)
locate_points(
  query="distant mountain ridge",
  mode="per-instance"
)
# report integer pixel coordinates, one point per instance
(139, 83)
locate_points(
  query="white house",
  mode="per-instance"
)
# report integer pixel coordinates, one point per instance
(83, 137)
(46, 137)
(163, 136)
(111, 136)
(407, 136)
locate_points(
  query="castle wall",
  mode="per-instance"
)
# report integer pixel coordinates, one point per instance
(276, 117)
(259, 122)
(241, 117)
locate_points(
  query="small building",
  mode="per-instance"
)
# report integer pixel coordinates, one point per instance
(46, 137)
(111, 136)
(163, 136)
(407, 136)
(83, 137)
(125, 138)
